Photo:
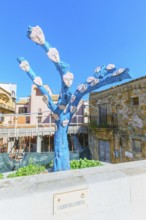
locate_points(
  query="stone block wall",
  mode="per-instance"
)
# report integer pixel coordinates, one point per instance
(124, 109)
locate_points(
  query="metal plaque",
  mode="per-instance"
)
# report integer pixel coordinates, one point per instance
(73, 200)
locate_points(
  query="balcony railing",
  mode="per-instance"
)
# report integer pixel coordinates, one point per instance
(16, 129)
(110, 122)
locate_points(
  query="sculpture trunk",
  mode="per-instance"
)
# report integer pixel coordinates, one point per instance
(61, 150)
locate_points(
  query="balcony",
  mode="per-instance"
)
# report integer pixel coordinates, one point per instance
(6, 107)
(110, 122)
(1, 119)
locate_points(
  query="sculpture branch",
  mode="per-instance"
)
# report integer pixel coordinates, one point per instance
(24, 65)
(36, 34)
(104, 75)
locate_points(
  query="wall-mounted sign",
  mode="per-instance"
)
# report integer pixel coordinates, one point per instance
(67, 201)
(129, 154)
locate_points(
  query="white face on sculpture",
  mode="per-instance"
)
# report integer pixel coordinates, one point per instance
(110, 66)
(24, 65)
(65, 122)
(73, 109)
(73, 97)
(97, 70)
(53, 55)
(38, 81)
(90, 79)
(94, 82)
(118, 72)
(82, 88)
(37, 35)
(68, 79)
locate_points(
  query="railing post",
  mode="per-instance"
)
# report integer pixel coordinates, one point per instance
(39, 144)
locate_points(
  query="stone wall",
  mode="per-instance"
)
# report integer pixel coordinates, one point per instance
(108, 192)
(126, 120)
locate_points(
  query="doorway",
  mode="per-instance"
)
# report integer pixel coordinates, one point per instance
(104, 151)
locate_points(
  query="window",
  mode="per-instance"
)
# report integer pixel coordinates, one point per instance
(28, 120)
(39, 115)
(38, 92)
(1, 119)
(103, 115)
(104, 150)
(39, 110)
(135, 101)
(39, 119)
(114, 119)
(137, 149)
(22, 110)
(137, 146)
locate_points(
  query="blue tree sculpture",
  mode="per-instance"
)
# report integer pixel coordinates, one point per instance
(67, 103)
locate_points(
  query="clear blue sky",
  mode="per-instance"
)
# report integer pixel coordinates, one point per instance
(87, 33)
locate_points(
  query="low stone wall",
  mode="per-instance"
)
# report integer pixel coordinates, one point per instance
(110, 192)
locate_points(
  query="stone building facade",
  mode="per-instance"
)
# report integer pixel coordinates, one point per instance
(7, 105)
(118, 122)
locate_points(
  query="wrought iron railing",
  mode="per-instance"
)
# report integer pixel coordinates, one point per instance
(111, 121)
